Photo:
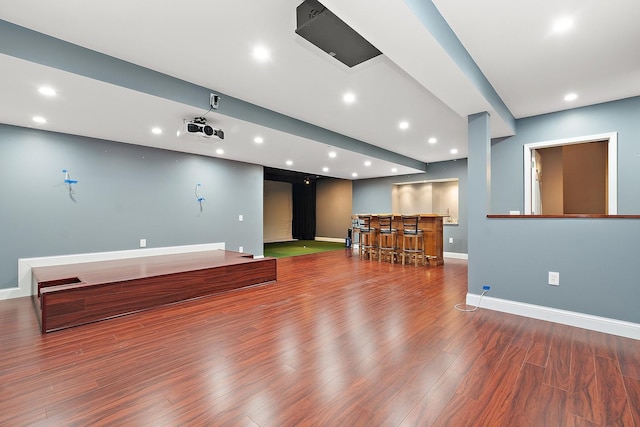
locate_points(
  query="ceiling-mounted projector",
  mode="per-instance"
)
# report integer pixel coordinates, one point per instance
(199, 127)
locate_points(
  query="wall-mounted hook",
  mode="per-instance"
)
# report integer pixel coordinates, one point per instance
(69, 181)
(198, 195)
(67, 177)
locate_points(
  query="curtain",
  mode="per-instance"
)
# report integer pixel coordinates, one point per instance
(304, 211)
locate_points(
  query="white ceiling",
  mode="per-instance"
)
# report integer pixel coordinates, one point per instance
(532, 68)
(209, 43)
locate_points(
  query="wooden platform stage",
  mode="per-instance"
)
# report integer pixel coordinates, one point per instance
(75, 294)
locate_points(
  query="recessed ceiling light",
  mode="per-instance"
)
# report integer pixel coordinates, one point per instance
(39, 120)
(571, 97)
(355, 174)
(289, 162)
(432, 140)
(219, 151)
(261, 53)
(349, 98)
(367, 163)
(47, 91)
(563, 24)
(156, 131)
(454, 151)
(394, 170)
(258, 140)
(332, 154)
(403, 125)
(325, 169)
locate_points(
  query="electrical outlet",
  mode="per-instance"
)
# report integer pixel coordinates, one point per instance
(241, 249)
(143, 243)
(486, 287)
(450, 239)
(554, 278)
(240, 218)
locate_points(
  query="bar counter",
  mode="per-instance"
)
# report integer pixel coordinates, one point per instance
(431, 226)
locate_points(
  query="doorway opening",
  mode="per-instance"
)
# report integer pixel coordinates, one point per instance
(571, 176)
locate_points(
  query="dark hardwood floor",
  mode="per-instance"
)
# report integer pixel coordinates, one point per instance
(337, 341)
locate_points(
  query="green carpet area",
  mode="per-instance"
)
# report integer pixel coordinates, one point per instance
(299, 247)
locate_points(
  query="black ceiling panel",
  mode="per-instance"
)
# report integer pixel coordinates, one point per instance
(321, 27)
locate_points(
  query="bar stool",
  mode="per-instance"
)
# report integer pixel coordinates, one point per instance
(355, 230)
(412, 239)
(388, 239)
(368, 237)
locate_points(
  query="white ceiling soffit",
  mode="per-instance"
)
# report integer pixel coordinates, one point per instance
(102, 118)
(394, 29)
(533, 68)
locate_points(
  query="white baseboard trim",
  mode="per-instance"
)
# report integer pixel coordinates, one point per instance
(455, 255)
(571, 318)
(330, 239)
(25, 264)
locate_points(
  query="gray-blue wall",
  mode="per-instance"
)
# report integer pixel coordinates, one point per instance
(375, 196)
(124, 193)
(597, 258)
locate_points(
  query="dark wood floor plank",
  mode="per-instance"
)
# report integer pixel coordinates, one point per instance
(573, 420)
(494, 343)
(632, 387)
(532, 402)
(628, 352)
(558, 369)
(612, 394)
(604, 345)
(522, 405)
(583, 393)
(336, 341)
(499, 388)
(414, 385)
(430, 407)
(23, 415)
(486, 407)
(539, 334)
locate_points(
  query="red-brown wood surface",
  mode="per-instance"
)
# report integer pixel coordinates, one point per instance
(337, 341)
(96, 272)
(112, 288)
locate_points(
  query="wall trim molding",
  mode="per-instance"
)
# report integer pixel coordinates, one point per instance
(330, 239)
(570, 318)
(456, 255)
(25, 264)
